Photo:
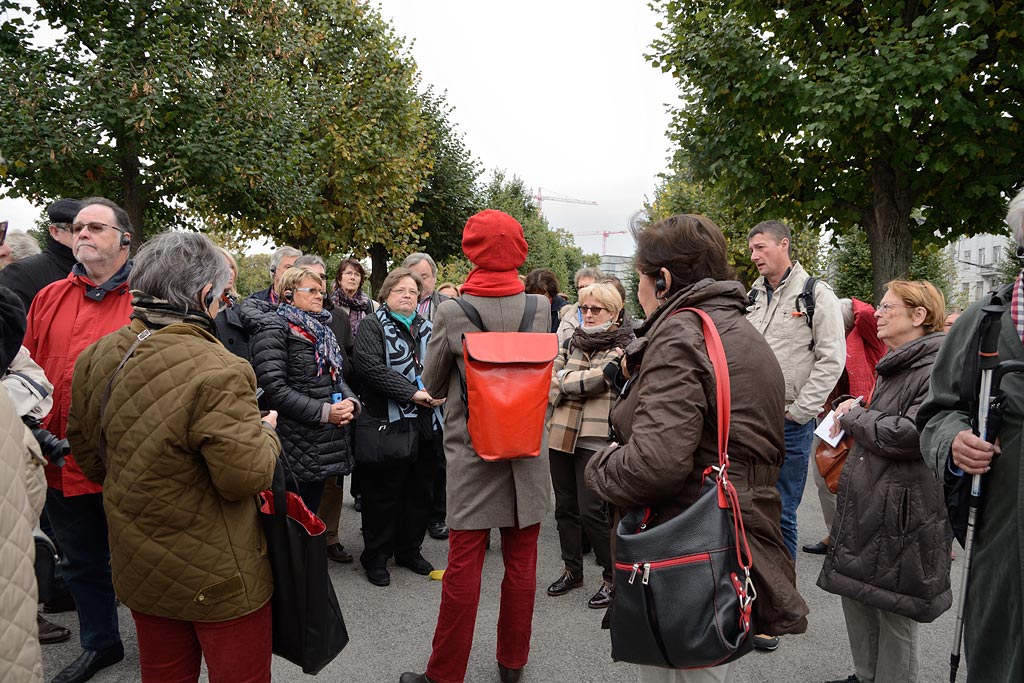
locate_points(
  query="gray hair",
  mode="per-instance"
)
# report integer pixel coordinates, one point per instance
(176, 266)
(120, 215)
(414, 258)
(777, 230)
(1015, 217)
(22, 244)
(586, 271)
(310, 260)
(846, 308)
(280, 255)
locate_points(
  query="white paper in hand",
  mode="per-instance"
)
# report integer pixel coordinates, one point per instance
(825, 428)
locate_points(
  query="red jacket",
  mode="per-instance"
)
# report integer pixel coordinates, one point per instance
(62, 321)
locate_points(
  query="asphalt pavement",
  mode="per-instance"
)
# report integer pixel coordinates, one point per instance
(391, 628)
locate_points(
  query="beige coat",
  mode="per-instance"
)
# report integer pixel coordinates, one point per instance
(22, 493)
(810, 374)
(481, 494)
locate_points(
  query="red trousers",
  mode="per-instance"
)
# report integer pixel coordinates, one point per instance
(460, 597)
(236, 651)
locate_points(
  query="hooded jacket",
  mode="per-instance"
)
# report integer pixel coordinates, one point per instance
(285, 365)
(891, 537)
(667, 434)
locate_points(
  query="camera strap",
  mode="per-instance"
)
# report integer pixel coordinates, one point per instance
(102, 450)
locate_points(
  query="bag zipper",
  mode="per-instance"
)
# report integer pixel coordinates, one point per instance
(659, 564)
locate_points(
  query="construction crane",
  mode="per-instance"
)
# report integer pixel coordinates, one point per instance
(604, 237)
(540, 197)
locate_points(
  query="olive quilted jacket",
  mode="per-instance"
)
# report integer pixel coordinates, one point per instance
(186, 455)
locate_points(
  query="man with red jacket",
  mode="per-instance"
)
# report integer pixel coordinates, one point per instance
(65, 318)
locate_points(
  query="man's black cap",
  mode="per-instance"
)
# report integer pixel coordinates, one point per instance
(64, 210)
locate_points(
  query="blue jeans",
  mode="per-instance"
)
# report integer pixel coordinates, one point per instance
(80, 526)
(793, 476)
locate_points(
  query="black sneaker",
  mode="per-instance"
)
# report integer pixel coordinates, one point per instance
(437, 530)
(415, 563)
(766, 643)
(852, 678)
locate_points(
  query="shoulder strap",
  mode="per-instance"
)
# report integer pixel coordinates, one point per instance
(102, 449)
(472, 314)
(751, 297)
(971, 373)
(529, 313)
(722, 389)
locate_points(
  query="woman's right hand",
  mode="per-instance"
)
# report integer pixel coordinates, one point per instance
(341, 413)
(270, 418)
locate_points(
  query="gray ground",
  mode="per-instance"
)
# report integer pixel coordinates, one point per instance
(391, 628)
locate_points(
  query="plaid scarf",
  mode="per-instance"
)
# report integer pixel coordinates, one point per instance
(1017, 305)
(328, 353)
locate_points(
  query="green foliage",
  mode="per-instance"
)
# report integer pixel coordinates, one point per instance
(850, 267)
(680, 192)
(150, 103)
(253, 273)
(454, 270)
(548, 248)
(449, 196)
(840, 114)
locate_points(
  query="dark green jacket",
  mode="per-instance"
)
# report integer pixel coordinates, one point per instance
(994, 628)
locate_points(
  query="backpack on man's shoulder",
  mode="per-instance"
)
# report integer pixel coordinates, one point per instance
(804, 299)
(505, 388)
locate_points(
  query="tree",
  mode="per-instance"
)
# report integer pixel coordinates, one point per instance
(849, 265)
(151, 104)
(449, 196)
(553, 249)
(680, 192)
(852, 113)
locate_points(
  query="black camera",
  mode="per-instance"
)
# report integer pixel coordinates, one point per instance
(53, 448)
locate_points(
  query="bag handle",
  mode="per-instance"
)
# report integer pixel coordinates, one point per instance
(102, 448)
(727, 496)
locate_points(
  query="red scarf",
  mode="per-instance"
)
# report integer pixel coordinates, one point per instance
(863, 350)
(493, 283)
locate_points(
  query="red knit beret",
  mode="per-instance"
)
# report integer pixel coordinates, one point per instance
(493, 240)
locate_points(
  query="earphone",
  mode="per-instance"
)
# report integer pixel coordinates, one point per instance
(126, 239)
(209, 299)
(288, 296)
(660, 285)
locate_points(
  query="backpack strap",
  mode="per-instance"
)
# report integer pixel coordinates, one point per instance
(529, 313)
(472, 314)
(806, 298)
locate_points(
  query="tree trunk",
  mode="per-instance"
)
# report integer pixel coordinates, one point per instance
(378, 266)
(131, 187)
(887, 226)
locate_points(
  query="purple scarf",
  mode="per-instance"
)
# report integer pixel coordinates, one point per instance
(358, 306)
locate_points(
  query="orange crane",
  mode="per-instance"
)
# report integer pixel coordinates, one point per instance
(604, 237)
(540, 197)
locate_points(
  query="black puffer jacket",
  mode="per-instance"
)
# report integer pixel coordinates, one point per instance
(285, 365)
(891, 538)
(29, 275)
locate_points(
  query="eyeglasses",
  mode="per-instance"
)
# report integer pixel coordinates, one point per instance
(62, 227)
(887, 307)
(353, 273)
(315, 291)
(593, 310)
(410, 292)
(95, 228)
(3, 232)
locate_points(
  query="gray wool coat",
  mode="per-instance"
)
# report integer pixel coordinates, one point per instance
(482, 494)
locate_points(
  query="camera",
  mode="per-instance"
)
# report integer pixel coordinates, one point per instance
(53, 448)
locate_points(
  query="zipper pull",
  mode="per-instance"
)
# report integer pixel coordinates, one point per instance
(632, 576)
(647, 573)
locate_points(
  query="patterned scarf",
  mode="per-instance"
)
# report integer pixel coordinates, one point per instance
(1017, 305)
(404, 358)
(328, 353)
(588, 342)
(358, 306)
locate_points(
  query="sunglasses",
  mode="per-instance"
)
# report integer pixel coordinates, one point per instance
(94, 228)
(594, 310)
(3, 232)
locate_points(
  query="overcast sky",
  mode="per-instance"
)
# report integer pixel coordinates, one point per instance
(556, 92)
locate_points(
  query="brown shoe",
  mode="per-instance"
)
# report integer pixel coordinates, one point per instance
(337, 552)
(50, 632)
(565, 583)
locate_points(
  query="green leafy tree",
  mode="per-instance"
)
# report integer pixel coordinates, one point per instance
(850, 266)
(840, 113)
(151, 104)
(450, 195)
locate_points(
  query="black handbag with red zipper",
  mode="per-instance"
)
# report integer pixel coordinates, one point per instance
(683, 592)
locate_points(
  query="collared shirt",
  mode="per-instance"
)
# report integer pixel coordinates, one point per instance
(768, 289)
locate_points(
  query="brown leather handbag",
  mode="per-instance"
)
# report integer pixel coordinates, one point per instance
(830, 460)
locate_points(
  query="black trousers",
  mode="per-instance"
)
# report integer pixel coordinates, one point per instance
(396, 506)
(578, 510)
